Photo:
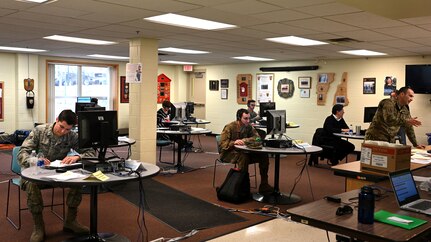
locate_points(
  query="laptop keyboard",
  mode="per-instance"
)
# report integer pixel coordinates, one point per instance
(423, 205)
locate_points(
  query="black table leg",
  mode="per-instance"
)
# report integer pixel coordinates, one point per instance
(277, 197)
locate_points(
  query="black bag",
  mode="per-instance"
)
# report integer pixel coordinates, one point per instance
(235, 188)
(19, 136)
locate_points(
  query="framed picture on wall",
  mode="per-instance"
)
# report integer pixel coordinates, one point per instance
(304, 93)
(224, 83)
(304, 82)
(369, 86)
(214, 85)
(224, 93)
(124, 90)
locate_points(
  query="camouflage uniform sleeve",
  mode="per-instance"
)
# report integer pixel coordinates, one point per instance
(410, 132)
(226, 139)
(29, 144)
(83, 152)
(251, 134)
(389, 112)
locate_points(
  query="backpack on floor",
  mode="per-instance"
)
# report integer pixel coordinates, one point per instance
(235, 188)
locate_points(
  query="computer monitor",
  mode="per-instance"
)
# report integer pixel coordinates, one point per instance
(83, 99)
(190, 109)
(276, 122)
(180, 111)
(369, 114)
(94, 108)
(98, 130)
(79, 107)
(264, 107)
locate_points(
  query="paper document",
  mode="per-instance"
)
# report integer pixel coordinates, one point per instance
(68, 175)
(134, 165)
(421, 178)
(98, 175)
(57, 164)
(123, 139)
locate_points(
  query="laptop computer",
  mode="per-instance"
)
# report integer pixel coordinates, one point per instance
(407, 194)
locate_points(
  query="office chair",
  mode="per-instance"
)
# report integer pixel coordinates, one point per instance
(16, 168)
(161, 143)
(328, 151)
(222, 162)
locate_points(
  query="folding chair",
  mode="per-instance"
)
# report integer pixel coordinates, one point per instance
(16, 168)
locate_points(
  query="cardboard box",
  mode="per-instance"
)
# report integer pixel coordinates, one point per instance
(384, 159)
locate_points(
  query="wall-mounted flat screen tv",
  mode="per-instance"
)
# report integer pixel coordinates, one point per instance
(418, 77)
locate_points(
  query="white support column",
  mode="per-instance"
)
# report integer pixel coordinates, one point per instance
(143, 100)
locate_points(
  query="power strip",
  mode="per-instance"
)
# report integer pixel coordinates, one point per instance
(161, 239)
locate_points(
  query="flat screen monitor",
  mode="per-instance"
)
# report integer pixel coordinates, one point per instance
(369, 114)
(94, 108)
(418, 77)
(97, 129)
(79, 107)
(180, 111)
(83, 99)
(276, 122)
(264, 107)
(190, 109)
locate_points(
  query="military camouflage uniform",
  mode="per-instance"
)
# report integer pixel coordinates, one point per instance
(234, 131)
(42, 139)
(390, 116)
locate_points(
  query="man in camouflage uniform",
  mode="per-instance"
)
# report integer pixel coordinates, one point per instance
(391, 115)
(56, 142)
(238, 133)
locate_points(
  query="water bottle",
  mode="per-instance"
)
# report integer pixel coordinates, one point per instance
(366, 205)
(32, 160)
(40, 161)
(351, 130)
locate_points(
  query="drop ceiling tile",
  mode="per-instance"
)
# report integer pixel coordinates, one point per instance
(283, 29)
(247, 7)
(366, 20)
(282, 15)
(159, 5)
(405, 32)
(398, 43)
(365, 35)
(418, 20)
(321, 25)
(296, 3)
(328, 9)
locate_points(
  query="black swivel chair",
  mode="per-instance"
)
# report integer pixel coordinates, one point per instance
(328, 151)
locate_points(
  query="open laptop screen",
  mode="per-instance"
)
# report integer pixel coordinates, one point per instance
(404, 187)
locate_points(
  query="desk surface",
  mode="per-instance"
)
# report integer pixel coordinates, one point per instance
(321, 214)
(285, 151)
(349, 136)
(194, 131)
(31, 175)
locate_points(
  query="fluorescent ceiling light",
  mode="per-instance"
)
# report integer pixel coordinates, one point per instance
(20, 49)
(79, 40)
(252, 58)
(33, 1)
(184, 51)
(178, 62)
(189, 22)
(362, 52)
(109, 57)
(293, 40)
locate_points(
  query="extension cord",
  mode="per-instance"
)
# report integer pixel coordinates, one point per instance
(161, 239)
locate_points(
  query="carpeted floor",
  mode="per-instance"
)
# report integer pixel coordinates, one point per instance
(119, 215)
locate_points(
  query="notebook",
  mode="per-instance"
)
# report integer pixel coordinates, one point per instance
(407, 194)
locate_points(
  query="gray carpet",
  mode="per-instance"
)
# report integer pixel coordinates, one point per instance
(175, 208)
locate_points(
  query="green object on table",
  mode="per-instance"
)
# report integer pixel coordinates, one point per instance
(382, 216)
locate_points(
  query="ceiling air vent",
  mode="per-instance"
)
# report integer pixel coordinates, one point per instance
(342, 40)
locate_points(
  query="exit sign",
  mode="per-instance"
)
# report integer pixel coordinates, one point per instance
(187, 68)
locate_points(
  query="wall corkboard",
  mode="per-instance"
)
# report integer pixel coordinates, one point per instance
(244, 88)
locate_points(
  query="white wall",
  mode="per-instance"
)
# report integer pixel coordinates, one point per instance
(305, 111)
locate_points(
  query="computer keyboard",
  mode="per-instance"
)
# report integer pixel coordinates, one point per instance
(423, 205)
